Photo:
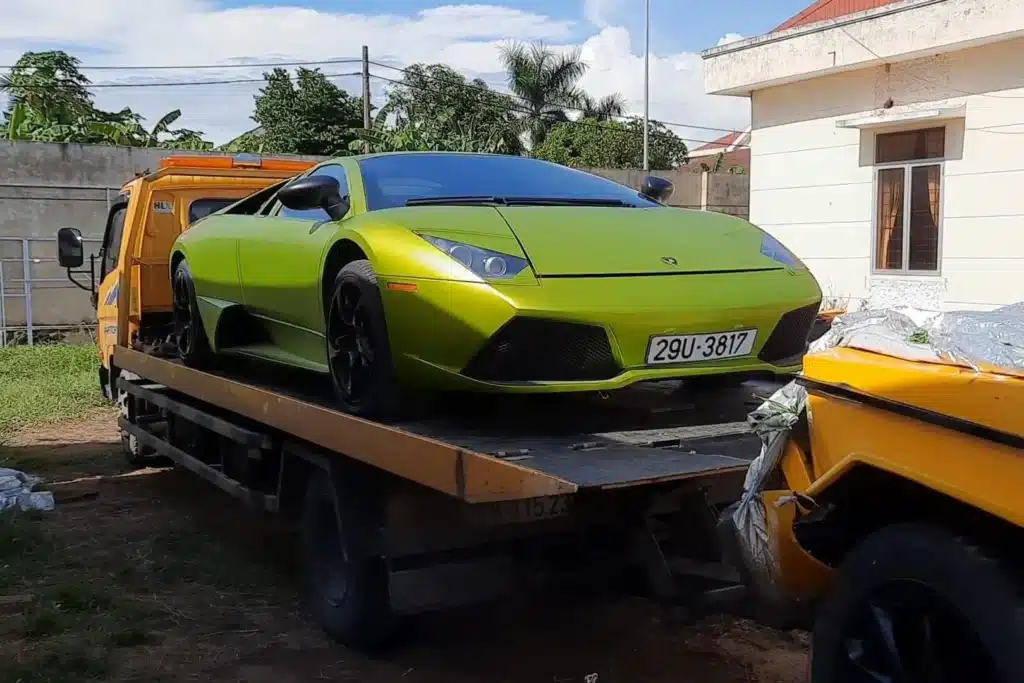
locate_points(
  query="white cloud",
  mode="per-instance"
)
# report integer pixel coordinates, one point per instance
(599, 12)
(176, 32)
(729, 38)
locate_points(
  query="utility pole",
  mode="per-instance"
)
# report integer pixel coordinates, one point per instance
(366, 95)
(647, 79)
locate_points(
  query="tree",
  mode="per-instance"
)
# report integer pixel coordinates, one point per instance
(439, 103)
(50, 84)
(49, 101)
(418, 136)
(545, 82)
(612, 144)
(307, 115)
(603, 109)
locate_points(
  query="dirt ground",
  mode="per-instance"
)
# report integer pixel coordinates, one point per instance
(155, 576)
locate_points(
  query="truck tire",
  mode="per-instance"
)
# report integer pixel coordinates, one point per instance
(189, 334)
(912, 596)
(347, 587)
(359, 353)
(133, 451)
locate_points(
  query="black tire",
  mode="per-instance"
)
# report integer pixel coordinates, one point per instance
(349, 597)
(912, 580)
(359, 353)
(189, 335)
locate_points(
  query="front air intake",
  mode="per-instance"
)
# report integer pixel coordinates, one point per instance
(538, 350)
(788, 341)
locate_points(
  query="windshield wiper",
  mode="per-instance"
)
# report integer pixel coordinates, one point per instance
(516, 201)
(454, 200)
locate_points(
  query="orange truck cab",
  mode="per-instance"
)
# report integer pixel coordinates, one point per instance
(132, 290)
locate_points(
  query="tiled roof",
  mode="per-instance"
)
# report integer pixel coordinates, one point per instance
(830, 9)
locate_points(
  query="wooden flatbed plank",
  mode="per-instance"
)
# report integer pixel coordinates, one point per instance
(432, 463)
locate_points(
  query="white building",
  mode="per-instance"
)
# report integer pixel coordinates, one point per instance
(887, 146)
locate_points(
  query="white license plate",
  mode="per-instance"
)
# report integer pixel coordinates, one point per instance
(692, 348)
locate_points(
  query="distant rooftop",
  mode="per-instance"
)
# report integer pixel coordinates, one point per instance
(823, 10)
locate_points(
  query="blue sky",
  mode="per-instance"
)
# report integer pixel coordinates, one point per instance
(464, 34)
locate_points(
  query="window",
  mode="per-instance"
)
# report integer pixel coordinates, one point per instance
(391, 179)
(201, 208)
(909, 174)
(112, 239)
(332, 170)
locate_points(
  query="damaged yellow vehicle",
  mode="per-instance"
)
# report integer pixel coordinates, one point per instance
(886, 510)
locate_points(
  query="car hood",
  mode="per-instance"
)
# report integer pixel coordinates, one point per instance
(581, 241)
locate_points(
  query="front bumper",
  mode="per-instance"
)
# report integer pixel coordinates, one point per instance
(591, 334)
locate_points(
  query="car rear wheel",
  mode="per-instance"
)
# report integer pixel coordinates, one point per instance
(359, 355)
(912, 604)
(189, 335)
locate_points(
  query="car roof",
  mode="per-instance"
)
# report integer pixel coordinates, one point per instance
(360, 157)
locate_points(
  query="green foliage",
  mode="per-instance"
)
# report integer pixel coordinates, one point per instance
(434, 107)
(612, 144)
(307, 115)
(49, 101)
(546, 84)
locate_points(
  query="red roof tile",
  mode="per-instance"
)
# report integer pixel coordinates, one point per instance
(721, 143)
(830, 9)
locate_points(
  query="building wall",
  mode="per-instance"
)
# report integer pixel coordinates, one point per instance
(814, 182)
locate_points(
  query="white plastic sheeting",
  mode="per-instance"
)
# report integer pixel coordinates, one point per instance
(991, 341)
(17, 490)
(771, 422)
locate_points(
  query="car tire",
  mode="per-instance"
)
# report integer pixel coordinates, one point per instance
(361, 342)
(189, 334)
(933, 581)
(347, 587)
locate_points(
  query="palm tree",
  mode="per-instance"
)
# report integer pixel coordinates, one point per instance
(545, 84)
(604, 109)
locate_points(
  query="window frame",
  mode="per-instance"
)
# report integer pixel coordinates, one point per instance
(278, 207)
(105, 251)
(907, 167)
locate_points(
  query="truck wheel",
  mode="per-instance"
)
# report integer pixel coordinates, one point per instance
(348, 591)
(358, 352)
(189, 335)
(134, 452)
(913, 604)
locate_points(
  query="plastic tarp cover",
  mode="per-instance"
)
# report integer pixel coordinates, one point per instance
(987, 341)
(18, 491)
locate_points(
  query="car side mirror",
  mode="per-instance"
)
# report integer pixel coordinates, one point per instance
(70, 252)
(656, 188)
(315, 192)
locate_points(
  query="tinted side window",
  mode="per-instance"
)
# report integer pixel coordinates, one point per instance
(332, 170)
(112, 240)
(201, 208)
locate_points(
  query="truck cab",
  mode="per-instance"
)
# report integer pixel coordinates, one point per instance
(129, 279)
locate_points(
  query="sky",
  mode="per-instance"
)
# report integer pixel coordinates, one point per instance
(182, 33)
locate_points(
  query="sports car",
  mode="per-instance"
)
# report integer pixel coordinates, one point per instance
(406, 272)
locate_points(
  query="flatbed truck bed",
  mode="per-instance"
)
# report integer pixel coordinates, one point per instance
(636, 479)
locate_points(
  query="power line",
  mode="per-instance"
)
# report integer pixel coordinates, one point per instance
(551, 117)
(563, 106)
(166, 84)
(257, 65)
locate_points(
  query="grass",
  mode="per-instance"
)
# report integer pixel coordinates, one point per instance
(46, 383)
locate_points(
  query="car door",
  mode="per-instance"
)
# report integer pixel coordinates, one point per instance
(279, 264)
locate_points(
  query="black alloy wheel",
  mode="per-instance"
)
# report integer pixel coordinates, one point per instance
(350, 346)
(907, 632)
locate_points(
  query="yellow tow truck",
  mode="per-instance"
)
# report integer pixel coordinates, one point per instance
(455, 505)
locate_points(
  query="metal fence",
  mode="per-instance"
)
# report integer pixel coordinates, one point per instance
(21, 279)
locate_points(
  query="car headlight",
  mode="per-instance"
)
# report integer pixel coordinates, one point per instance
(488, 264)
(774, 249)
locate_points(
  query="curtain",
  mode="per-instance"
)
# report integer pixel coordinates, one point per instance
(890, 219)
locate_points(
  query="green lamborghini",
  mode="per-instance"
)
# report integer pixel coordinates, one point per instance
(419, 271)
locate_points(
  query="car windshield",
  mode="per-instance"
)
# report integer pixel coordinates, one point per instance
(392, 180)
